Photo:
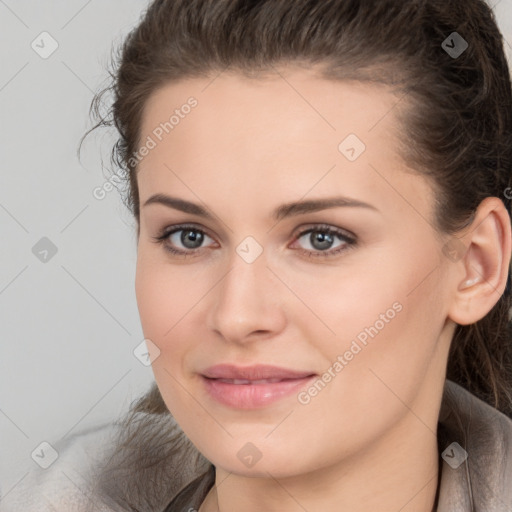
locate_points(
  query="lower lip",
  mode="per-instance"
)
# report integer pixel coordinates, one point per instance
(251, 396)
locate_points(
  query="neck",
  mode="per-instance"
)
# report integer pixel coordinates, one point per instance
(409, 481)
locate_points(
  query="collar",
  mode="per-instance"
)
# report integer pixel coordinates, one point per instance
(475, 443)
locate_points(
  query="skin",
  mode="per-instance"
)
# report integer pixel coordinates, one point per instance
(367, 440)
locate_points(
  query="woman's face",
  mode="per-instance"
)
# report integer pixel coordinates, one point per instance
(345, 304)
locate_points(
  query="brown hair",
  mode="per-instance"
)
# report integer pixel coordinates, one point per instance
(456, 121)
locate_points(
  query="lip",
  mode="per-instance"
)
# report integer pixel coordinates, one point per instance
(251, 387)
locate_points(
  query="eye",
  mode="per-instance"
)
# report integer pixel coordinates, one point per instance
(182, 240)
(319, 241)
(325, 241)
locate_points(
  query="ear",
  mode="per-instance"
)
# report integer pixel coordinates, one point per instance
(483, 265)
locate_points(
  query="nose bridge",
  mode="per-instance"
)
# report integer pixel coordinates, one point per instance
(245, 299)
(243, 284)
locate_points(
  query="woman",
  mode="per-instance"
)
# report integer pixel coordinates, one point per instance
(322, 193)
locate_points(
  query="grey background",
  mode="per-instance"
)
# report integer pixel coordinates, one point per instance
(69, 324)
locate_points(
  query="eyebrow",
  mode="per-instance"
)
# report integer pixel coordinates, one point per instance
(283, 211)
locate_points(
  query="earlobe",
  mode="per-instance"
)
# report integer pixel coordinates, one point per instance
(485, 264)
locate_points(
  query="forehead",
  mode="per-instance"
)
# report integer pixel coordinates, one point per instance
(299, 98)
(290, 129)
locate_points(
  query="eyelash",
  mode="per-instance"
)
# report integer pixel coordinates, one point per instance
(349, 242)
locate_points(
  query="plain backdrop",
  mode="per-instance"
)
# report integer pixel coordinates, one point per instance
(68, 316)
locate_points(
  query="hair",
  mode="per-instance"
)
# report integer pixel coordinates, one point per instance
(456, 120)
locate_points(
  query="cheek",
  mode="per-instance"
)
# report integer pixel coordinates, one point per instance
(167, 298)
(153, 300)
(339, 304)
(165, 294)
(160, 311)
(386, 335)
(379, 312)
(397, 324)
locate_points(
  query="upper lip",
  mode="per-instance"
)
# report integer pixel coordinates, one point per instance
(255, 372)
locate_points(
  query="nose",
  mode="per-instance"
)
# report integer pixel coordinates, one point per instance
(246, 303)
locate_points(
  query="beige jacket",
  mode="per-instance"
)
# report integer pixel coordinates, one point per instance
(171, 476)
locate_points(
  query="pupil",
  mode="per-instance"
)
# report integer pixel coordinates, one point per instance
(321, 240)
(191, 236)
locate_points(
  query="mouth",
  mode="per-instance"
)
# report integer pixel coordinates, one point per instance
(252, 382)
(253, 373)
(252, 386)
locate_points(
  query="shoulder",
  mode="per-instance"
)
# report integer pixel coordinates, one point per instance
(148, 464)
(65, 484)
(475, 441)
(479, 424)
(112, 468)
